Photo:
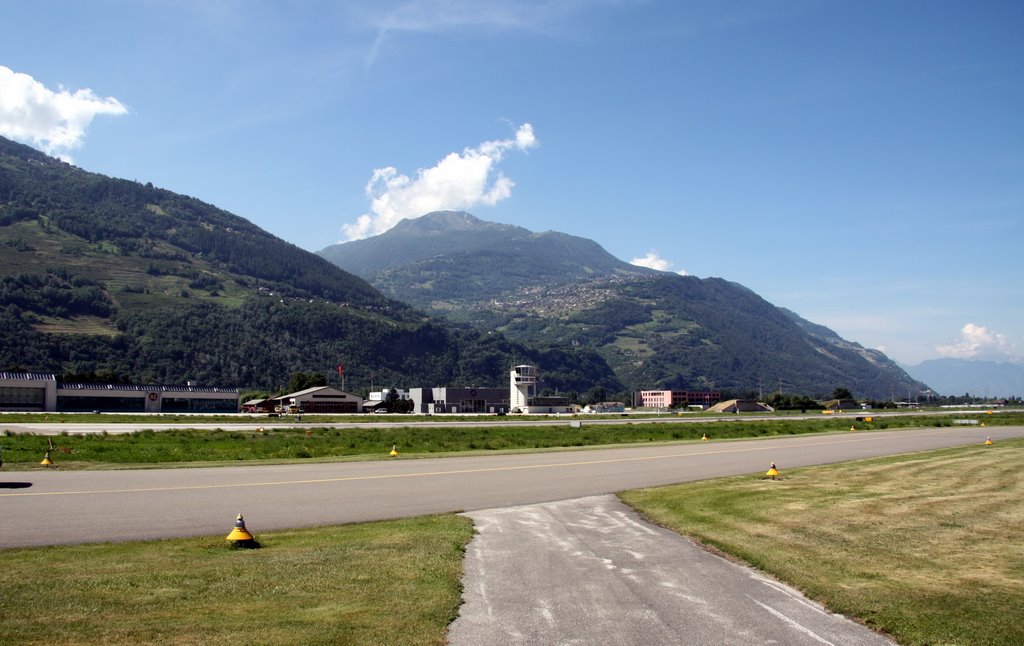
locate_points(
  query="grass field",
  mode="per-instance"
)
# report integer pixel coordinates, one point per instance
(395, 582)
(169, 448)
(927, 547)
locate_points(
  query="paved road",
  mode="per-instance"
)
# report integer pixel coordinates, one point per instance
(590, 571)
(61, 507)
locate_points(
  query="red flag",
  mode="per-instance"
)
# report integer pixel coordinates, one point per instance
(341, 369)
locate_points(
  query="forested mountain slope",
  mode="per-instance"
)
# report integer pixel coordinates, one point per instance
(110, 279)
(655, 329)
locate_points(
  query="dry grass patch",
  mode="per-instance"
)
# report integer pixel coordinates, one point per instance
(928, 547)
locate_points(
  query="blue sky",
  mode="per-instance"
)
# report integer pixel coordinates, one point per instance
(859, 162)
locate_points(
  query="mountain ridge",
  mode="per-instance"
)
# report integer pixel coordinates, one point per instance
(428, 244)
(655, 329)
(114, 280)
(110, 279)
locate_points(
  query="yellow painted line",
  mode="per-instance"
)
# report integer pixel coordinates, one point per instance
(235, 485)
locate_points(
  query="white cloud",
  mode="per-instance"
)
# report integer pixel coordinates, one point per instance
(459, 181)
(653, 261)
(978, 342)
(54, 122)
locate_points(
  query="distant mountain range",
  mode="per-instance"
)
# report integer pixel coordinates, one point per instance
(957, 377)
(654, 329)
(113, 280)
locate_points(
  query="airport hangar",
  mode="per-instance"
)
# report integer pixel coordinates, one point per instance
(40, 392)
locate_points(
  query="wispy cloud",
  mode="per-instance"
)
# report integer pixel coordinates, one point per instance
(978, 342)
(459, 181)
(653, 261)
(438, 16)
(54, 122)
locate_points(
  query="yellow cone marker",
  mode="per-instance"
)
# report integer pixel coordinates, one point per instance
(988, 441)
(853, 428)
(46, 460)
(239, 533)
(772, 472)
(705, 438)
(394, 450)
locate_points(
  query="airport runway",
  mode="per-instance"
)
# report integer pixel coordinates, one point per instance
(64, 507)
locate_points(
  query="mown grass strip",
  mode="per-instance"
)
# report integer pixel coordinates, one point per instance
(197, 446)
(394, 582)
(927, 547)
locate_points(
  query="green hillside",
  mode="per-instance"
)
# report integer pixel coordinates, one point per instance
(147, 243)
(109, 279)
(682, 332)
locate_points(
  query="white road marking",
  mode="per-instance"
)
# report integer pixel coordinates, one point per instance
(795, 624)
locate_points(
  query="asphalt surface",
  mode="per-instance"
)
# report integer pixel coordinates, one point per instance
(50, 506)
(590, 571)
(557, 559)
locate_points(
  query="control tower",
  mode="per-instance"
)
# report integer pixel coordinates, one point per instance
(522, 387)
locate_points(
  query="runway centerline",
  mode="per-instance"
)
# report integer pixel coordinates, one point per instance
(393, 476)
